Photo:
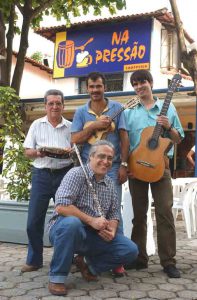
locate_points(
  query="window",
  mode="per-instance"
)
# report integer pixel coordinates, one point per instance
(169, 50)
(114, 82)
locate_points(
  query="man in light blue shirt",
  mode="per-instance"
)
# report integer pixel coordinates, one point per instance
(146, 118)
(142, 117)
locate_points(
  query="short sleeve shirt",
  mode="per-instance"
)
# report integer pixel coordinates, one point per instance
(42, 134)
(139, 118)
(84, 114)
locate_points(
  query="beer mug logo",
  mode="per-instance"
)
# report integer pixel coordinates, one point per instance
(66, 54)
(83, 59)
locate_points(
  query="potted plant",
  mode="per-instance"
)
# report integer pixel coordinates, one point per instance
(16, 172)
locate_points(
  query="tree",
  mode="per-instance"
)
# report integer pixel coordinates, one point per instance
(32, 13)
(17, 168)
(188, 57)
(37, 56)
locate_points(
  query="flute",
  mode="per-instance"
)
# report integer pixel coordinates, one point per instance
(96, 201)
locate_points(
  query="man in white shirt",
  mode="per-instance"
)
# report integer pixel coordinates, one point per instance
(47, 172)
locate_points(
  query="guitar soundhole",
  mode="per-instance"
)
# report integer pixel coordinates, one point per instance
(152, 144)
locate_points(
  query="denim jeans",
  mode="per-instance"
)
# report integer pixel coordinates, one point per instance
(44, 186)
(70, 236)
(113, 174)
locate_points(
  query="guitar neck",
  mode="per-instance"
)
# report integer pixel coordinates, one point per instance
(153, 141)
(166, 103)
(158, 128)
(117, 113)
(130, 104)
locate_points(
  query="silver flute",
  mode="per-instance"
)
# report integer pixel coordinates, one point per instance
(95, 198)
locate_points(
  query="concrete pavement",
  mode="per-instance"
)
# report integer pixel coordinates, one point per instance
(149, 284)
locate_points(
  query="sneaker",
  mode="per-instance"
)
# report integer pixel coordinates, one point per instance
(118, 272)
(137, 265)
(172, 271)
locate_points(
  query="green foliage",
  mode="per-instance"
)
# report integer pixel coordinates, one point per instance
(16, 165)
(64, 9)
(37, 56)
(60, 8)
(32, 12)
(5, 7)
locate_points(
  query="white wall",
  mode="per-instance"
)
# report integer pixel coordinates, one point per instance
(155, 57)
(35, 82)
(69, 86)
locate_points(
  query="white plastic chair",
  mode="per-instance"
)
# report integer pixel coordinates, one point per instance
(194, 207)
(127, 216)
(127, 210)
(185, 202)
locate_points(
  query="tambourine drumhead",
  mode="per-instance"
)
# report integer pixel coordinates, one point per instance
(55, 152)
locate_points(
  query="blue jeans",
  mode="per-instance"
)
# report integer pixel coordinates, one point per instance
(113, 174)
(44, 186)
(69, 236)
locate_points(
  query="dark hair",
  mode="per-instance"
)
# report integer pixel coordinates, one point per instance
(94, 76)
(54, 92)
(141, 75)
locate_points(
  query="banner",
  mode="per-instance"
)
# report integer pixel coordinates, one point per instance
(117, 47)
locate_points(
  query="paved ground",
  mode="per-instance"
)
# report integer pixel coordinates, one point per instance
(148, 284)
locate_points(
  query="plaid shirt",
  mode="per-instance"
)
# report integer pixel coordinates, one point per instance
(74, 190)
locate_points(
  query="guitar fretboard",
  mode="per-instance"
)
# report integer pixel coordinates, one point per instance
(131, 103)
(158, 128)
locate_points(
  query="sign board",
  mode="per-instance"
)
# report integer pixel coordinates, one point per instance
(116, 47)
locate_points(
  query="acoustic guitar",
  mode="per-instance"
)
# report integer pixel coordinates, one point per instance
(147, 161)
(101, 134)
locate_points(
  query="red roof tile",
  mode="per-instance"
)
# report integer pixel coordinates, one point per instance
(162, 15)
(35, 63)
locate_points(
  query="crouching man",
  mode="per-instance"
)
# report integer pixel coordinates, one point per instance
(87, 225)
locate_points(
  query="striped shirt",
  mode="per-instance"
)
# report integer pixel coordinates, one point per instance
(74, 190)
(42, 134)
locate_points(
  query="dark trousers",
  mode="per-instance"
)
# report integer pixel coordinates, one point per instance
(163, 201)
(44, 185)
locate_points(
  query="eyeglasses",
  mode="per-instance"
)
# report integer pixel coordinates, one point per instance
(54, 104)
(104, 156)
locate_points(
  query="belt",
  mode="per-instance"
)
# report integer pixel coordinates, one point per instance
(65, 169)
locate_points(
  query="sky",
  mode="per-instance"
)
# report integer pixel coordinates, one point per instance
(187, 10)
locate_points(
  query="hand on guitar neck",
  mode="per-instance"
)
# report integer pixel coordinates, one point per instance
(104, 124)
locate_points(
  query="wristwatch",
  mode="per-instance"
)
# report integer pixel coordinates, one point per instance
(124, 164)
